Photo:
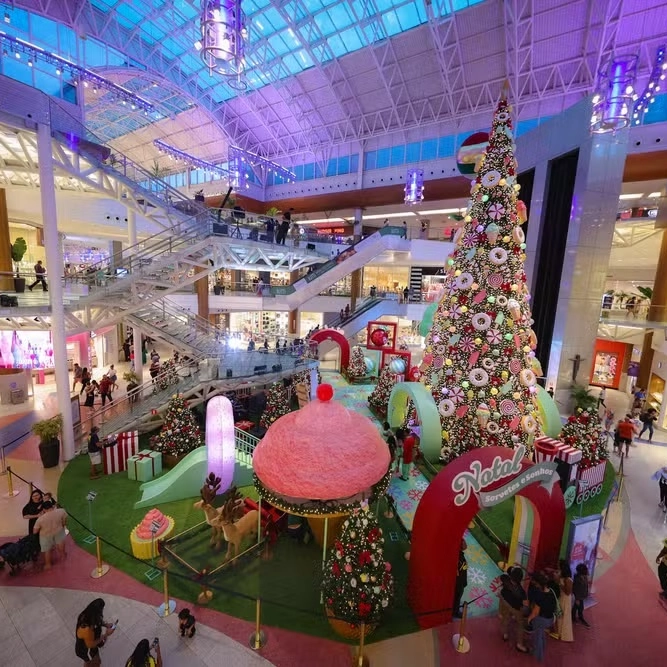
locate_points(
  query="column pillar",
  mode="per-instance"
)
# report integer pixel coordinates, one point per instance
(138, 359)
(6, 265)
(356, 289)
(131, 227)
(201, 285)
(358, 226)
(293, 322)
(646, 362)
(54, 265)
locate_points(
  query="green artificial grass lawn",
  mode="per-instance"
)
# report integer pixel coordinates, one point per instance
(286, 577)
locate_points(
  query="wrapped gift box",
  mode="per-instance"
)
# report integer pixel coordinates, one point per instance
(144, 466)
(116, 456)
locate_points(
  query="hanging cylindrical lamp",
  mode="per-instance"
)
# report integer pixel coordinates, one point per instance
(612, 101)
(414, 186)
(224, 34)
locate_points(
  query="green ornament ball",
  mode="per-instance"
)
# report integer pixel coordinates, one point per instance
(496, 353)
(523, 246)
(465, 384)
(485, 197)
(491, 299)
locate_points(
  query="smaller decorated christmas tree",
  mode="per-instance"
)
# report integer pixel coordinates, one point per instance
(180, 432)
(358, 584)
(379, 398)
(167, 375)
(356, 369)
(277, 404)
(583, 430)
(303, 377)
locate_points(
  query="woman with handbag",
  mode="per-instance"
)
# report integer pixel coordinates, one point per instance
(542, 615)
(89, 637)
(564, 621)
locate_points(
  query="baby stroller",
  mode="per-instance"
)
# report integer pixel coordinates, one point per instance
(17, 554)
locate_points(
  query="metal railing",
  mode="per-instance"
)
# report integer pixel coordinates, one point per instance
(245, 446)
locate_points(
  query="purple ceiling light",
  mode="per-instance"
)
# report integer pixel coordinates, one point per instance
(612, 101)
(414, 186)
(224, 34)
(190, 160)
(658, 74)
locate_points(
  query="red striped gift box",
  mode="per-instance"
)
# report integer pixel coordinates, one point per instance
(115, 457)
(594, 475)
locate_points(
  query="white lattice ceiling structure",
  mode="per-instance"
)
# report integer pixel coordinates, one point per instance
(325, 73)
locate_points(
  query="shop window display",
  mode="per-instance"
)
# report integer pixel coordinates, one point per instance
(27, 349)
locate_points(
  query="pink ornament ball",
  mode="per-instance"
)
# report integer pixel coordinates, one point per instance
(325, 392)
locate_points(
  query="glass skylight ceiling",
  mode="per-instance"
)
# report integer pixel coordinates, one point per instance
(284, 40)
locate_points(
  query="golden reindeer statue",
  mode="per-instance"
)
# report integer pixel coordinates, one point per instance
(208, 493)
(236, 529)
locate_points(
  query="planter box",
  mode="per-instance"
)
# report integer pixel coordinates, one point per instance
(170, 461)
(50, 453)
(348, 630)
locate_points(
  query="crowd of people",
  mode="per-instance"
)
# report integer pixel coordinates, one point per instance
(47, 521)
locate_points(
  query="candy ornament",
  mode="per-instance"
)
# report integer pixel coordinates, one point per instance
(514, 308)
(492, 231)
(483, 414)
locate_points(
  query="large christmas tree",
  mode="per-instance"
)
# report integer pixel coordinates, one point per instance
(479, 351)
(357, 367)
(358, 584)
(379, 398)
(180, 432)
(584, 431)
(277, 404)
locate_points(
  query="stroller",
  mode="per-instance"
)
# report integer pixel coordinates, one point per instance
(17, 554)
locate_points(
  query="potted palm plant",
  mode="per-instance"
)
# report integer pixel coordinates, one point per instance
(19, 249)
(48, 431)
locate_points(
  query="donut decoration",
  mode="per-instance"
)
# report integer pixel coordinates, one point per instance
(501, 300)
(446, 407)
(497, 256)
(528, 424)
(397, 366)
(515, 366)
(488, 364)
(491, 178)
(527, 377)
(502, 117)
(379, 337)
(464, 281)
(492, 427)
(507, 407)
(517, 235)
(495, 280)
(481, 321)
(478, 377)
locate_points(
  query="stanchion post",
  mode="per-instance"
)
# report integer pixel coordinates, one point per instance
(258, 638)
(459, 640)
(100, 568)
(11, 492)
(168, 606)
(361, 660)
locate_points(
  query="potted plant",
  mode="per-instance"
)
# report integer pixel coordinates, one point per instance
(48, 431)
(133, 381)
(19, 249)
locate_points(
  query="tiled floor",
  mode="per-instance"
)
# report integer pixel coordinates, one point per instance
(37, 628)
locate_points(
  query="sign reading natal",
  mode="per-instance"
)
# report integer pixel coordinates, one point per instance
(478, 478)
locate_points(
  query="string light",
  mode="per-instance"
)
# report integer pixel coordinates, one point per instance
(652, 86)
(175, 153)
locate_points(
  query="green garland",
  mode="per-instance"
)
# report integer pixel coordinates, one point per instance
(319, 507)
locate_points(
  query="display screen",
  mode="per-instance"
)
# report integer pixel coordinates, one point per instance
(583, 542)
(26, 349)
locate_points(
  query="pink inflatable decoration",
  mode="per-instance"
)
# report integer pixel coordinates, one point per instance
(220, 440)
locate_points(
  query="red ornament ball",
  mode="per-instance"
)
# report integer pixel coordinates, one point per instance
(325, 392)
(379, 337)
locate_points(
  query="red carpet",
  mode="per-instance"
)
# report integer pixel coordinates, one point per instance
(628, 626)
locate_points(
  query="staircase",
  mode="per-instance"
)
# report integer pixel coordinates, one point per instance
(371, 308)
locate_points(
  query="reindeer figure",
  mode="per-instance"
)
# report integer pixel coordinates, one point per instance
(208, 493)
(236, 529)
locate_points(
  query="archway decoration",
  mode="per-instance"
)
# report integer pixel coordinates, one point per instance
(548, 413)
(479, 478)
(338, 338)
(430, 436)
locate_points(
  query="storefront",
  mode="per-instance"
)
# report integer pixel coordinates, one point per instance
(386, 278)
(610, 363)
(259, 322)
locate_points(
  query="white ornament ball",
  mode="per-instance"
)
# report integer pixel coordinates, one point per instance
(370, 364)
(397, 366)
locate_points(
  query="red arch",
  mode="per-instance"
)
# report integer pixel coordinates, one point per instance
(439, 525)
(336, 337)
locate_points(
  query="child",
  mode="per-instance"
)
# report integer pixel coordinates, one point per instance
(580, 592)
(186, 623)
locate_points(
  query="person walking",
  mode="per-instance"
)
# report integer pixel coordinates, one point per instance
(78, 372)
(85, 379)
(94, 452)
(406, 294)
(105, 390)
(564, 621)
(89, 637)
(40, 273)
(113, 376)
(409, 443)
(91, 388)
(580, 591)
(542, 614)
(660, 476)
(50, 526)
(602, 397)
(661, 561)
(141, 657)
(647, 418)
(626, 431)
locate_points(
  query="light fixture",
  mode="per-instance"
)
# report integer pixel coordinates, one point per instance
(191, 160)
(414, 186)
(442, 211)
(612, 100)
(652, 86)
(382, 216)
(636, 195)
(654, 194)
(240, 159)
(224, 34)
